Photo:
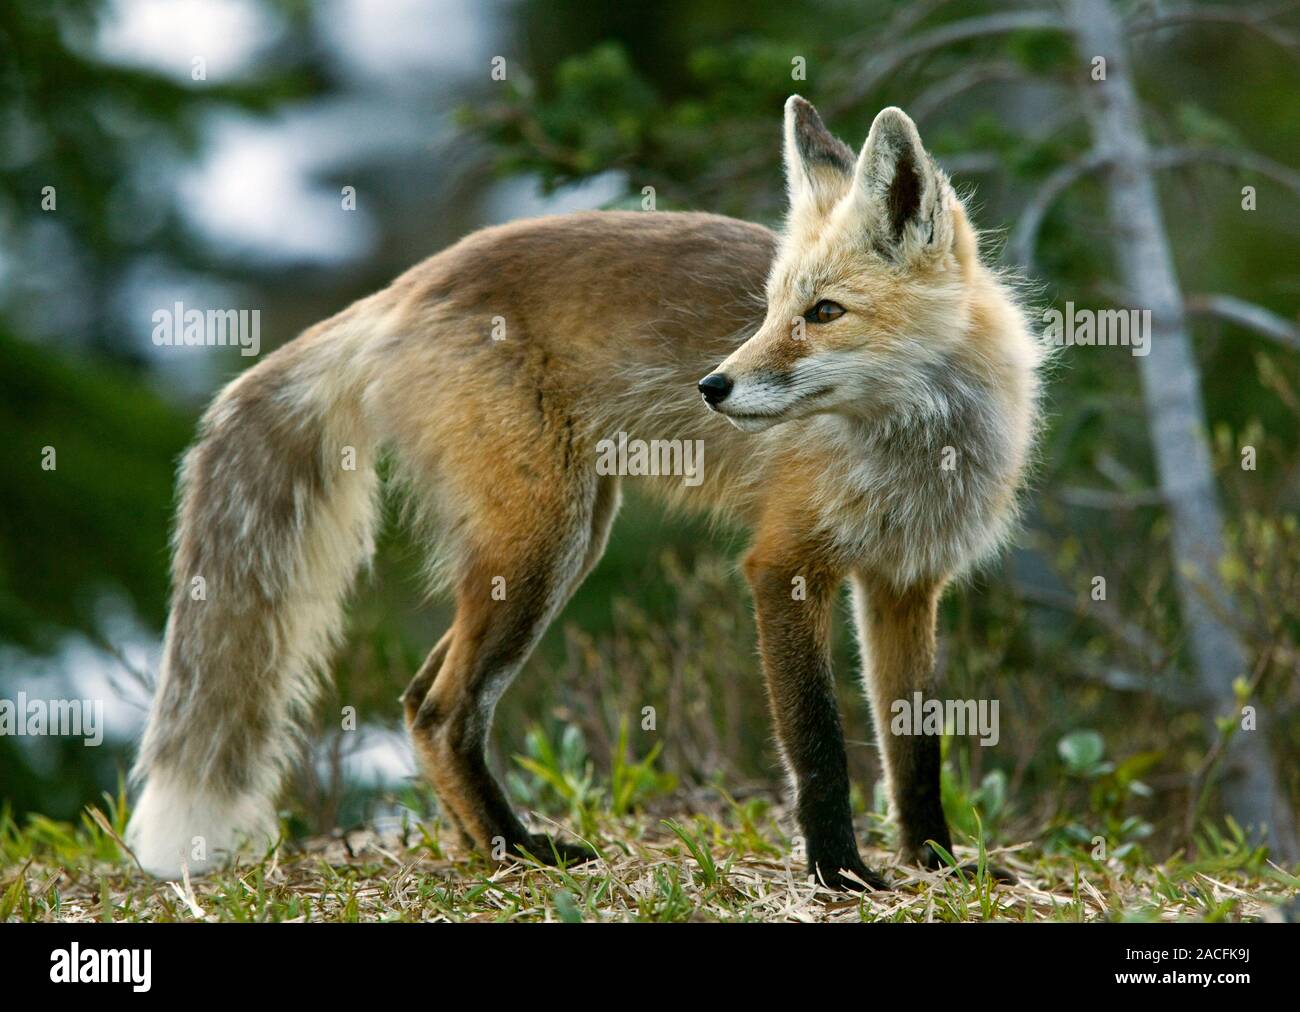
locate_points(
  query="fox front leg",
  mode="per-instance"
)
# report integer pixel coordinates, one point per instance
(794, 603)
(897, 631)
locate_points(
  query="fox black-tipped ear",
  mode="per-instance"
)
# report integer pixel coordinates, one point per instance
(818, 165)
(903, 194)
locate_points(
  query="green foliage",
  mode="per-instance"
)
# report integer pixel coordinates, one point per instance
(709, 874)
(99, 520)
(563, 777)
(1200, 126)
(90, 127)
(969, 807)
(1081, 752)
(632, 782)
(1041, 52)
(600, 110)
(1110, 789)
(96, 836)
(721, 862)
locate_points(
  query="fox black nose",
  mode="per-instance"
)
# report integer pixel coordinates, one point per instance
(715, 387)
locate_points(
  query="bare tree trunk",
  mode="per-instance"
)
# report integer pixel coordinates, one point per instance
(1175, 415)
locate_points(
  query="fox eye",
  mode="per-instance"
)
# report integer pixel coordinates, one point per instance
(824, 312)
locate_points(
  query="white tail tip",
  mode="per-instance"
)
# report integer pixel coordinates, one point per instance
(175, 827)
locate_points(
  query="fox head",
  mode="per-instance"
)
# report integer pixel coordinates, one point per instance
(866, 295)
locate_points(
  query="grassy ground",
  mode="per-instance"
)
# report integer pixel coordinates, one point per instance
(632, 729)
(686, 857)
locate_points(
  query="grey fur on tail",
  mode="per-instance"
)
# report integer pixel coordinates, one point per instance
(277, 513)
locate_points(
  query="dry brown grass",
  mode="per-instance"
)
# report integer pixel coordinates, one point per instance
(729, 870)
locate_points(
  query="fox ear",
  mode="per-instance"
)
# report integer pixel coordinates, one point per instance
(818, 165)
(902, 194)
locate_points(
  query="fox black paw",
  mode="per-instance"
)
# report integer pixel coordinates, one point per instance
(927, 857)
(993, 871)
(549, 850)
(844, 874)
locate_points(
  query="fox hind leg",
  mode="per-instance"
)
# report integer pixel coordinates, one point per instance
(604, 510)
(419, 687)
(508, 590)
(414, 695)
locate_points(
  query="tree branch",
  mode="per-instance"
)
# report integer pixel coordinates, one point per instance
(972, 162)
(939, 94)
(1149, 650)
(1024, 237)
(1256, 20)
(1121, 680)
(1176, 420)
(1248, 315)
(1166, 158)
(888, 60)
(908, 17)
(1108, 499)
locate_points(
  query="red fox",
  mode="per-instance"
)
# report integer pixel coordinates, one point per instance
(868, 402)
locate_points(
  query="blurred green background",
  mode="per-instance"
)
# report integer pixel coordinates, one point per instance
(225, 192)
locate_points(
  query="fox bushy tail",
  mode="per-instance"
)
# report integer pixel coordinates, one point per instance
(278, 507)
